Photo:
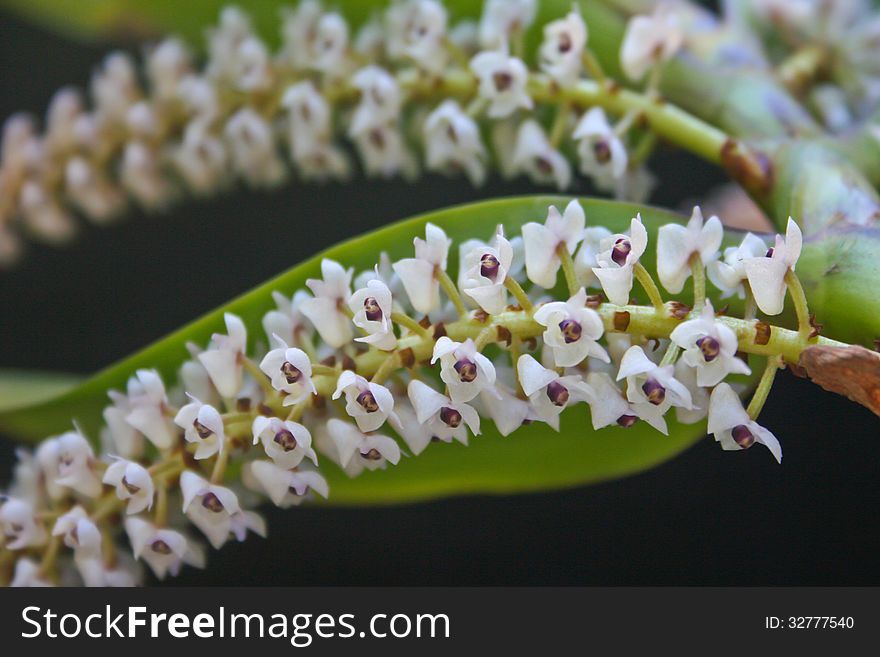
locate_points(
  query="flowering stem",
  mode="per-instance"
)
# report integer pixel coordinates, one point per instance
(799, 299)
(219, 470)
(560, 123)
(160, 515)
(763, 389)
(405, 320)
(258, 375)
(51, 553)
(671, 354)
(751, 306)
(515, 344)
(593, 66)
(486, 336)
(647, 282)
(699, 274)
(326, 370)
(519, 294)
(452, 292)
(568, 269)
(391, 362)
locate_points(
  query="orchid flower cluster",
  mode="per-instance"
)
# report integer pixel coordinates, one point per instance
(406, 91)
(360, 372)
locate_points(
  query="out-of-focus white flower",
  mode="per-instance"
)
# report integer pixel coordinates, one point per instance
(142, 175)
(585, 259)
(710, 347)
(133, 484)
(324, 309)
(19, 525)
(732, 426)
(380, 100)
(535, 157)
(548, 392)
(209, 507)
(201, 159)
(486, 269)
(198, 96)
(92, 191)
(67, 462)
(543, 241)
(687, 376)
(372, 451)
(299, 29)
(247, 521)
(766, 274)
(728, 274)
(463, 369)
(416, 29)
(79, 532)
(502, 83)
(441, 417)
(602, 154)
(286, 443)
(284, 487)
(370, 404)
(224, 356)
(252, 148)
(618, 258)
(167, 63)
(28, 575)
(290, 371)
(504, 19)
(384, 152)
(649, 40)
(224, 40)
(288, 322)
(572, 330)
(43, 214)
(676, 244)
(114, 86)
(419, 275)
(371, 306)
(651, 389)
(563, 47)
(164, 550)
(609, 405)
(453, 143)
(203, 427)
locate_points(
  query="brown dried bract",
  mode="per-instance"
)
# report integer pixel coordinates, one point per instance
(594, 301)
(762, 333)
(853, 372)
(481, 316)
(407, 357)
(504, 335)
(678, 310)
(621, 320)
(439, 330)
(815, 327)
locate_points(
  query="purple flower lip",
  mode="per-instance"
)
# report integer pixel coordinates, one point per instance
(565, 43)
(371, 455)
(602, 152)
(285, 440)
(160, 547)
(743, 437)
(626, 421)
(291, 374)
(769, 253)
(489, 266)
(203, 431)
(621, 250)
(212, 503)
(503, 80)
(131, 488)
(710, 347)
(557, 393)
(571, 330)
(450, 417)
(655, 392)
(467, 370)
(367, 401)
(544, 165)
(372, 310)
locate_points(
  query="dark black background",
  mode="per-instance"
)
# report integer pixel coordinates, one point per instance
(708, 517)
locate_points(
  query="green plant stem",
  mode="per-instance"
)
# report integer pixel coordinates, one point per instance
(519, 294)
(763, 389)
(568, 269)
(405, 320)
(451, 291)
(671, 354)
(643, 276)
(699, 274)
(799, 299)
(593, 66)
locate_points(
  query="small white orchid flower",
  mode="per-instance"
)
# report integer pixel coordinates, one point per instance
(416, 435)
(543, 241)
(372, 306)
(288, 322)
(287, 443)
(80, 533)
(247, 521)
(324, 309)
(19, 525)
(572, 330)
(164, 550)
(370, 451)
(309, 118)
(563, 48)
(203, 427)
(298, 32)
(28, 574)
(195, 380)
(728, 274)
(124, 438)
(209, 507)
(486, 269)
(328, 43)
(370, 404)
(534, 156)
(70, 465)
(602, 154)
(549, 393)
(649, 40)
(618, 258)
(585, 259)
(463, 369)
(224, 356)
(201, 159)
(417, 30)
(505, 408)
(687, 376)
(651, 389)
(732, 426)
(502, 83)
(441, 417)
(710, 347)
(609, 405)
(284, 487)
(766, 275)
(252, 148)
(133, 483)
(381, 100)
(453, 142)
(290, 371)
(384, 152)
(147, 409)
(502, 20)
(676, 244)
(419, 274)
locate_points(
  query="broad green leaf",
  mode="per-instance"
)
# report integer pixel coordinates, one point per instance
(533, 458)
(19, 388)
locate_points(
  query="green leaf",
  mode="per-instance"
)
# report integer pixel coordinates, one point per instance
(19, 388)
(533, 458)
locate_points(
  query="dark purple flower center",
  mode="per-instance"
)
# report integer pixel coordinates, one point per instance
(372, 309)
(621, 250)
(367, 401)
(212, 503)
(203, 431)
(450, 417)
(160, 547)
(131, 488)
(285, 440)
(769, 253)
(467, 370)
(564, 42)
(602, 151)
(371, 455)
(489, 266)
(710, 347)
(502, 80)
(655, 392)
(543, 165)
(291, 374)
(557, 393)
(626, 421)
(743, 437)
(571, 330)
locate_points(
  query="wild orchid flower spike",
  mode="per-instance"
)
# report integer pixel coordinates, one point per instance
(572, 330)
(370, 404)
(286, 443)
(617, 259)
(330, 294)
(677, 244)
(709, 347)
(222, 359)
(603, 156)
(542, 242)
(549, 393)
(502, 83)
(767, 274)
(371, 306)
(453, 143)
(485, 271)
(203, 427)
(650, 388)
(729, 273)
(535, 156)
(290, 371)
(441, 417)
(562, 50)
(732, 426)
(463, 369)
(133, 484)
(420, 275)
